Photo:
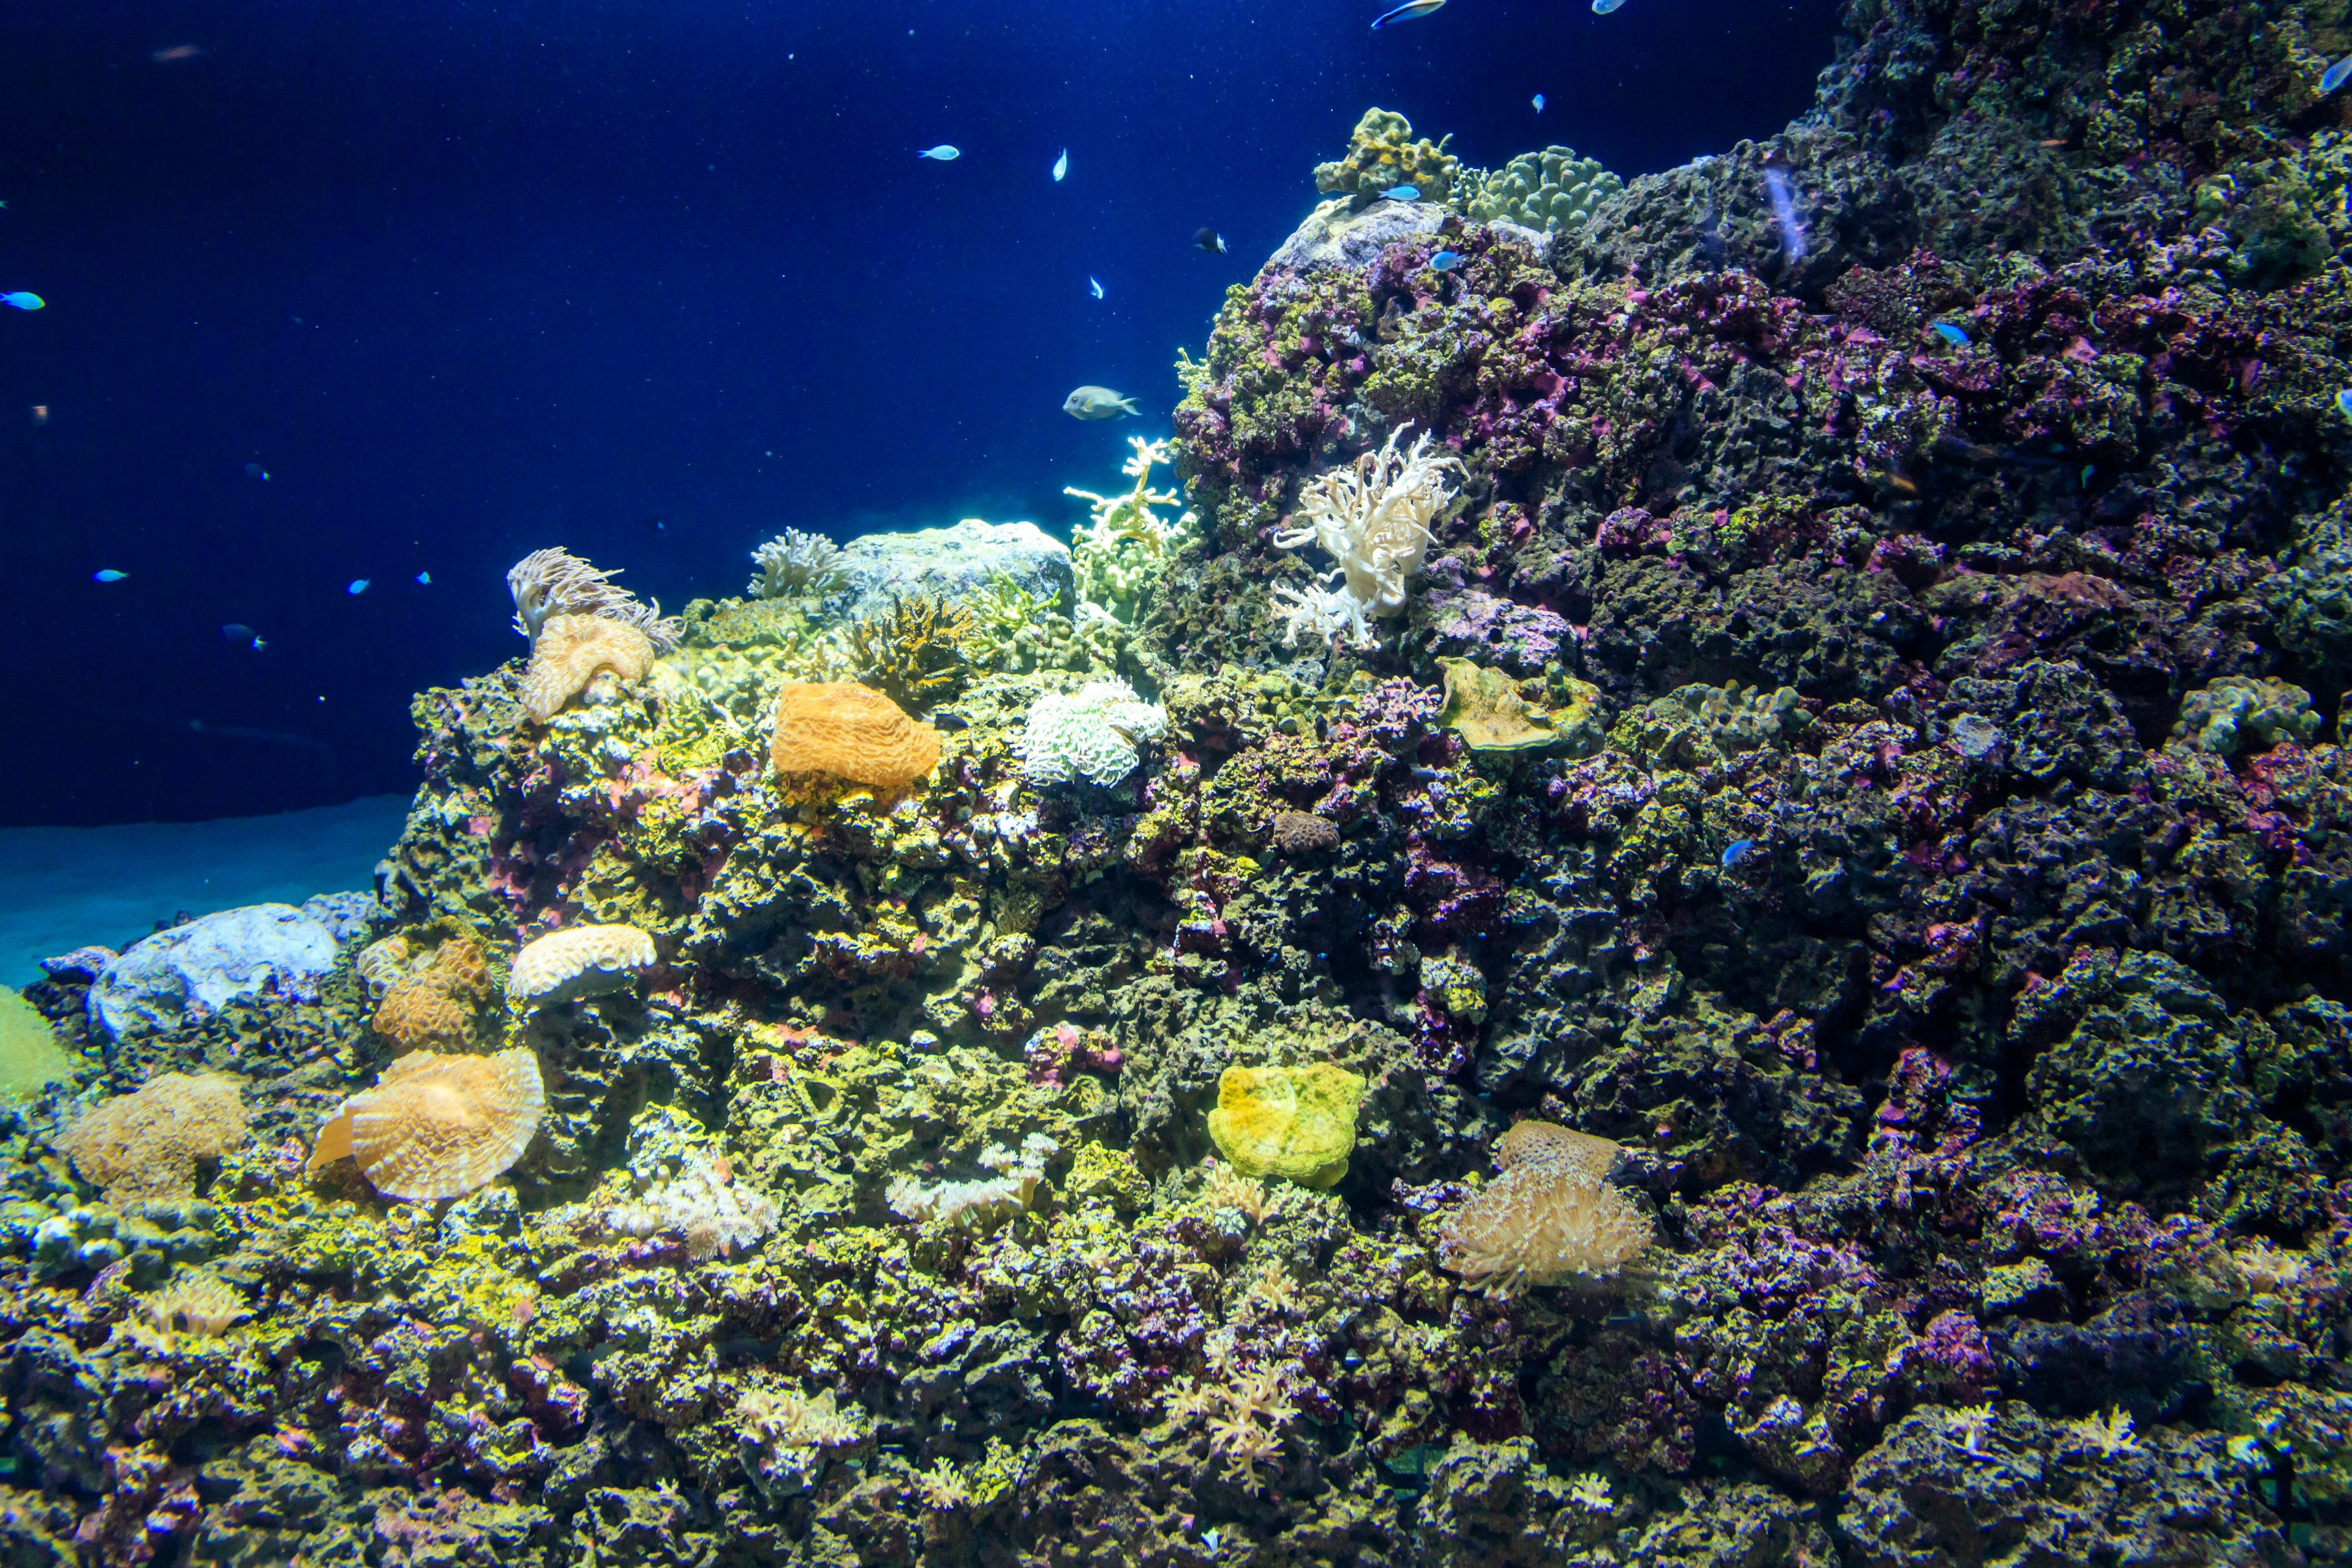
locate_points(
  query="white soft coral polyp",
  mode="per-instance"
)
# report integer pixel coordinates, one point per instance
(1373, 519)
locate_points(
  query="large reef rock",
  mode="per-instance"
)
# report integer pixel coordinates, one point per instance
(1975, 1033)
(953, 564)
(183, 973)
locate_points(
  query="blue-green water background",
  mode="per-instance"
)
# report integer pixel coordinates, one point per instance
(464, 279)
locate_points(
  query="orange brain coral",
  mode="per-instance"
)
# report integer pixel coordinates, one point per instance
(437, 1126)
(852, 732)
(147, 1145)
(419, 1010)
(571, 651)
(462, 967)
(1548, 1217)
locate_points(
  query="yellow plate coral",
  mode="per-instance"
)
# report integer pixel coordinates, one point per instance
(1298, 1123)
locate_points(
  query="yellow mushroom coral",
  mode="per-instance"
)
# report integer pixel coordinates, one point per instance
(437, 1126)
(1298, 1123)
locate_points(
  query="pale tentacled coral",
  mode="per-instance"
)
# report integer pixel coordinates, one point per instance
(437, 1126)
(981, 1205)
(703, 1204)
(851, 732)
(572, 651)
(581, 961)
(1374, 519)
(200, 1304)
(791, 1419)
(1551, 1215)
(550, 582)
(149, 1145)
(1092, 734)
(797, 562)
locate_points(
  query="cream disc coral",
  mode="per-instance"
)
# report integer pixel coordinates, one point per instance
(437, 1126)
(583, 961)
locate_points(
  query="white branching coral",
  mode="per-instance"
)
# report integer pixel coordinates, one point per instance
(1318, 615)
(549, 583)
(718, 1216)
(797, 562)
(1093, 733)
(1373, 519)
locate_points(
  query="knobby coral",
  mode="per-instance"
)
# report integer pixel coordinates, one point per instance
(1551, 1215)
(437, 1126)
(571, 651)
(1093, 733)
(851, 732)
(1375, 519)
(151, 1144)
(580, 961)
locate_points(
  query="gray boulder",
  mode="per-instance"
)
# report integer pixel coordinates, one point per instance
(954, 563)
(1339, 233)
(177, 976)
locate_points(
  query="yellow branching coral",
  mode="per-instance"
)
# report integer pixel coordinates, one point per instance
(1551, 1216)
(914, 654)
(151, 1144)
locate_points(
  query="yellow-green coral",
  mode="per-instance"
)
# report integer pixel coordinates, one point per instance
(914, 654)
(1298, 1123)
(1381, 152)
(1485, 707)
(1550, 190)
(30, 1056)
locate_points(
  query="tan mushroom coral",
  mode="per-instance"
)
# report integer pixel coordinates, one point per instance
(571, 651)
(1550, 1217)
(437, 1126)
(851, 732)
(149, 1145)
(582, 961)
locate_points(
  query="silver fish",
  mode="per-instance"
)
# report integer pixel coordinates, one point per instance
(1099, 403)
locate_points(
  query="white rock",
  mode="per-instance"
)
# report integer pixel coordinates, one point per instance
(954, 563)
(178, 976)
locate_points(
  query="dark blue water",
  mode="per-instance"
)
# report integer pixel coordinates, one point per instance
(651, 281)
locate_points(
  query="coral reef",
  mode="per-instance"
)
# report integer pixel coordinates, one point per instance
(1930, 905)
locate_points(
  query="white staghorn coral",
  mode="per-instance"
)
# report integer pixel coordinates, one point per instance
(1373, 519)
(555, 582)
(797, 562)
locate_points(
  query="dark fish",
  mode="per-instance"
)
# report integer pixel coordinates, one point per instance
(1209, 240)
(247, 732)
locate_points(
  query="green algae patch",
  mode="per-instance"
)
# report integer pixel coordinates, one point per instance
(1298, 1123)
(30, 1057)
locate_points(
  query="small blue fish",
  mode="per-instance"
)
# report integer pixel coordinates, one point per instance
(1446, 261)
(2337, 75)
(1539, 103)
(358, 585)
(1407, 11)
(1095, 287)
(1602, 7)
(1402, 193)
(107, 574)
(2344, 401)
(238, 632)
(1061, 165)
(1736, 851)
(22, 300)
(942, 153)
(425, 579)
(1950, 332)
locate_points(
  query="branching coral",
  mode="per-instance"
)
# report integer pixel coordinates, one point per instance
(1120, 555)
(794, 562)
(914, 655)
(1374, 519)
(550, 582)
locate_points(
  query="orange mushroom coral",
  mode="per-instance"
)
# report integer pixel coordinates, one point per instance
(438, 1126)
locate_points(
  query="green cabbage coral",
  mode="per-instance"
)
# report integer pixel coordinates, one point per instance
(1549, 191)
(30, 1056)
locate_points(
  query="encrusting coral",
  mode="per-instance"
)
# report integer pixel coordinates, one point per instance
(1550, 1217)
(1485, 707)
(1381, 154)
(571, 651)
(850, 732)
(152, 1143)
(437, 1126)
(1375, 519)
(578, 961)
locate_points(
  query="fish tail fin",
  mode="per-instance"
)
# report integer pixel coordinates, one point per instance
(1128, 404)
